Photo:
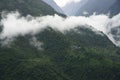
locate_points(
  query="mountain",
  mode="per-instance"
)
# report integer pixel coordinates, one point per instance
(66, 56)
(78, 54)
(54, 5)
(88, 7)
(87, 37)
(38, 7)
(72, 8)
(114, 9)
(100, 7)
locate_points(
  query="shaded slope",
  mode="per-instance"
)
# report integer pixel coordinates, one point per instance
(100, 7)
(54, 5)
(33, 7)
(64, 57)
(87, 37)
(68, 56)
(72, 8)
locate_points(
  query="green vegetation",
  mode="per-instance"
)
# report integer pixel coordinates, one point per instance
(74, 55)
(33, 7)
(61, 59)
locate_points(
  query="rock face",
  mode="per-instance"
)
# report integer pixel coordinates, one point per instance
(54, 5)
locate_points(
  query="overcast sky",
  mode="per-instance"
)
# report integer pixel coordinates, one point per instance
(62, 3)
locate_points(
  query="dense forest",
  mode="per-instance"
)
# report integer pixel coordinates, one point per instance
(73, 55)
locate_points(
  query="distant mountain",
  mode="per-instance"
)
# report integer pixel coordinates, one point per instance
(72, 8)
(88, 7)
(100, 7)
(54, 5)
(115, 8)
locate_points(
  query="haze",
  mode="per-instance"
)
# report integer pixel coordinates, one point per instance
(62, 3)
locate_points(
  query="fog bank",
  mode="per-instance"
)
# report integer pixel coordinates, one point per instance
(14, 24)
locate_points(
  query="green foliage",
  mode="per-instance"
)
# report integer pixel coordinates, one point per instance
(60, 59)
(85, 37)
(33, 7)
(81, 55)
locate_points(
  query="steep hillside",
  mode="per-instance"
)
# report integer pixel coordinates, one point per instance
(62, 57)
(100, 7)
(87, 37)
(77, 54)
(33, 7)
(88, 7)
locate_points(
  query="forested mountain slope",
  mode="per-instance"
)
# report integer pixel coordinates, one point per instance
(77, 54)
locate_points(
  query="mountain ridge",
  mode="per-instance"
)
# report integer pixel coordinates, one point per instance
(76, 54)
(35, 9)
(91, 7)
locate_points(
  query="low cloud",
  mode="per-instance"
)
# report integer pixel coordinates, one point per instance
(36, 43)
(14, 24)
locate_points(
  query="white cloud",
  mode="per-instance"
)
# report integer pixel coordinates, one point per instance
(14, 24)
(36, 43)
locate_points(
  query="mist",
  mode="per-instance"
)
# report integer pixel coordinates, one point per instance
(14, 24)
